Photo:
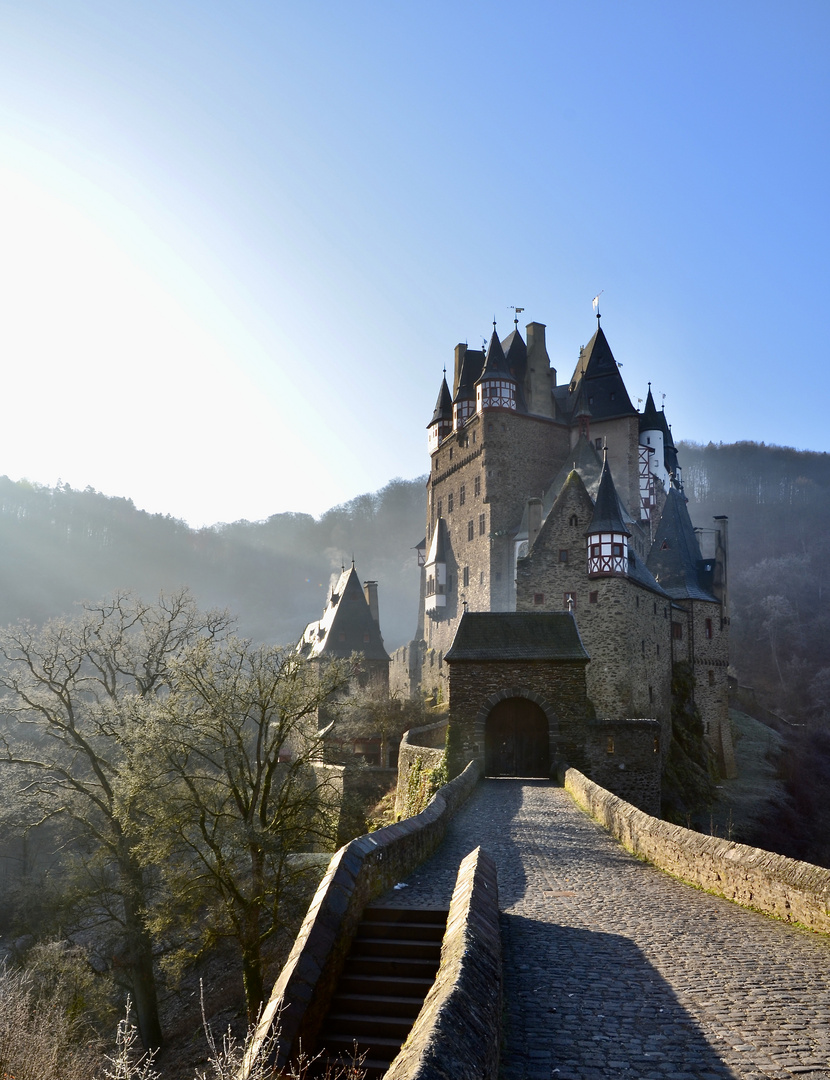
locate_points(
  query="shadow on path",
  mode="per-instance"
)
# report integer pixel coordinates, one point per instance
(583, 1005)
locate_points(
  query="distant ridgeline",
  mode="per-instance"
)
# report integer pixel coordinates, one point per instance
(61, 546)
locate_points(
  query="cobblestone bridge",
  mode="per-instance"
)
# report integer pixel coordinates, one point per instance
(614, 969)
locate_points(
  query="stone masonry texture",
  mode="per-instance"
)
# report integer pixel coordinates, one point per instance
(615, 969)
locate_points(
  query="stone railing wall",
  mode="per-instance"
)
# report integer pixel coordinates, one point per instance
(358, 872)
(773, 884)
(458, 1030)
(420, 744)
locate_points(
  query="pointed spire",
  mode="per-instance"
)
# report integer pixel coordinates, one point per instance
(443, 406)
(495, 363)
(607, 516)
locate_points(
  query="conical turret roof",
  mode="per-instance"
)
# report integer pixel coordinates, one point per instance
(654, 420)
(675, 558)
(443, 406)
(607, 514)
(495, 365)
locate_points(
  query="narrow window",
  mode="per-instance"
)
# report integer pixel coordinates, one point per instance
(470, 530)
(563, 554)
(450, 453)
(440, 508)
(709, 628)
(651, 694)
(609, 746)
(711, 677)
(449, 503)
(481, 578)
(573, 521)
(481, 525)
(466, 575)
(462, 495)
(677, 631)
(477, 485)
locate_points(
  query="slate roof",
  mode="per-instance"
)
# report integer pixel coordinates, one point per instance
(607, 513)
(471, 368)
(496, 362)
(596, 384)
(652, 420)
(509, 635)
(675, 558)
(443, 406)
(515, 354)
(438, 546)
(347, 625)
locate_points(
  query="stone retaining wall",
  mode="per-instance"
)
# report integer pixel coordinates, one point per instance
(458, 1030)
(358, 872)
(773, 884)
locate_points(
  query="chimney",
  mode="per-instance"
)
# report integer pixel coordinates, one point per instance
(541, 377)
(534, 521)
(721, 586)
(370, 591)
(460, 353)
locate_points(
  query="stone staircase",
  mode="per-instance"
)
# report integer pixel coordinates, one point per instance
(388, 972)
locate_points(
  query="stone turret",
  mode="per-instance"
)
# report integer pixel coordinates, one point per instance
(607, 534)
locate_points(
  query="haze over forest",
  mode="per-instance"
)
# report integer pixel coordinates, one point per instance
(63, 546)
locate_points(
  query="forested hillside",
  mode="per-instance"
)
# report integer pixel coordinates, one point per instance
(60, 546)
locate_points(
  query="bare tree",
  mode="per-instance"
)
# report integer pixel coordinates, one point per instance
(229, 778)
(70, 694)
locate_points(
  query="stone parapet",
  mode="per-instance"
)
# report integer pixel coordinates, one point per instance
(419, 745)
(458, 1030)
(357, 873)
(791, 890)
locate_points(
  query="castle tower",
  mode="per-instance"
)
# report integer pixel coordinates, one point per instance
(440, 425)
(607, 535)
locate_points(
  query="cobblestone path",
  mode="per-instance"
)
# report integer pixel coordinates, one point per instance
(614, 969)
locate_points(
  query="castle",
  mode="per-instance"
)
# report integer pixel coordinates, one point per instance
(563, 582)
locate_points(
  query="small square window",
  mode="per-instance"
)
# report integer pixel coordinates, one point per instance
(538, 599)
(593, 597)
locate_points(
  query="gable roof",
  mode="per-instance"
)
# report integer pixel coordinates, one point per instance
(675, 558)
(508, 635)
(347, 625)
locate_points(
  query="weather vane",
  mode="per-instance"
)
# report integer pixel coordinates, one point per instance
(596, 304)
(518, 311)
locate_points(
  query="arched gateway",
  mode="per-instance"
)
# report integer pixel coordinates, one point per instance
(517, 739)
(517, 690)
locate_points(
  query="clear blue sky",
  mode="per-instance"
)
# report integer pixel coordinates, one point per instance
(240, 241)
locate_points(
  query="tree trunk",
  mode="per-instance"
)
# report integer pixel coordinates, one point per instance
(252, 964)
(140, 956)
